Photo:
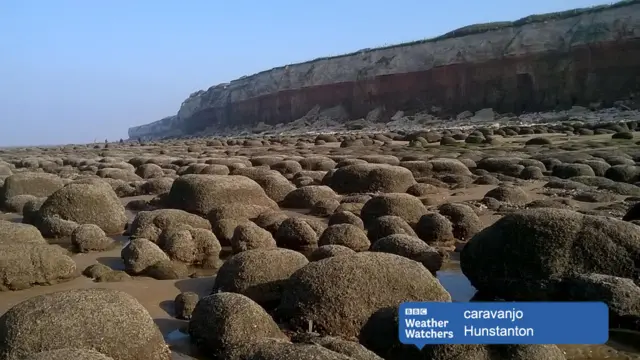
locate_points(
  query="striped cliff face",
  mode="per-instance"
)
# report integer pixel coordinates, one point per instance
(589, 57)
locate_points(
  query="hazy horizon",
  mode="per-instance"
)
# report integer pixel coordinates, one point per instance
(77, 71)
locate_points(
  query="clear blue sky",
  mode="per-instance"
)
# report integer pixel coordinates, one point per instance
(72, 71)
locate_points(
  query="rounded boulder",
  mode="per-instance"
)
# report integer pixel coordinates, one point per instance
(109, 321)
(340, 293)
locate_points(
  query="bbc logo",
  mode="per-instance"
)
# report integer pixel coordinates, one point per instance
(415, 311)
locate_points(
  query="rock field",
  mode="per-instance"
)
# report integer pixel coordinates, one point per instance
(301, 243)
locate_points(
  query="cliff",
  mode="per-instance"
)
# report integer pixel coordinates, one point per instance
(536, 63)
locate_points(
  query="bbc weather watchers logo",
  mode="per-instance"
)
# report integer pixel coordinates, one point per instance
(415, 311)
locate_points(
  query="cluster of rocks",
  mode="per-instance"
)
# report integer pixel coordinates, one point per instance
(375, 206)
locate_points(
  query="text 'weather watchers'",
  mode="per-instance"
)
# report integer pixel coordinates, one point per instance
(424, 323)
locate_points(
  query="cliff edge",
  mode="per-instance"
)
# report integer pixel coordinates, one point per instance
(537, 63)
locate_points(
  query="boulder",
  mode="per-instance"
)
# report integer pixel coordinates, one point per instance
(140, 254)
(259, 274)
(307, 196)
(366, 178)
(150, 224)
(388, 225)
(66, 354)
(200, 194)
(527, 255)
(191, 246)
(224, 321)
(90, 237)
(16, 233)
(412, 248)
(347, 235)
(27, 264)
(326, 251)
(87, 203)
(406, 206)
(30, 183)
(296, 234)
(340, 293)
(109, 321)
(249, 236)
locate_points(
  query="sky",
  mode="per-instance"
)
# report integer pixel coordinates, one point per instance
(77, 71)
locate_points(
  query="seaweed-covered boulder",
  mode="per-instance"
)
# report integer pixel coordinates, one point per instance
(200, 194)
(340, 293)
(346, 217)
(259, 274)
(621, 295)
(30, 183)
(222, 322)
(509, 194)
(366, 178)
(150, 224)
(140, 254)
(16, 233)
(326, 251)
(307, 196)
(279, 349)
(464, 220)
(528, 254)
(191, 246)
(347, 235)
(90, 237)
(66, 354)
(435, 230)
(27, 264)
(296, 234)
(249, 236)
(109, 321)
(87, 203)
(184, 304)
(406, 206)
(412, 248)
(388, 225)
